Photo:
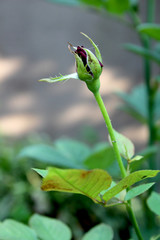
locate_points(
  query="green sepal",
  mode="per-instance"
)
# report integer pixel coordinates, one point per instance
(97, 52)
(60, 78)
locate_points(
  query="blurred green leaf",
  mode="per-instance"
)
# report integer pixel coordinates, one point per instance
(89, 183)
(146, 153)
(49, 229)
(136, 191)
(132, 112)
(155, 237)
(125, 146)
(99, 232)
(117, 6)
(100, 158)
(128, 181)
(74, 150)
(136, 96)
(43, 173)
(47, 154)
(136, 158)
(153, 55)
(151, 29)
(153, 202)
(12, 230)
(60, 78)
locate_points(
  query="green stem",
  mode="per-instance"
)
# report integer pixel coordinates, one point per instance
(146, 42)
(134, 221)
(111, 132)
(116, 150)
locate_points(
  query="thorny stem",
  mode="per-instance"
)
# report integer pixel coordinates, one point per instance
(119, 159)
(111, 133)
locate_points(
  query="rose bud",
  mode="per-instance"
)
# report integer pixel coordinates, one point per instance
(89, 67)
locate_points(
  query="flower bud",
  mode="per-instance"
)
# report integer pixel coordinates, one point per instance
(88, 66)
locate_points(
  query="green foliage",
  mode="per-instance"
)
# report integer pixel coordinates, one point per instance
(125, 146)
(49, 229)
(149, 54)
(150, 29)
(128, 181)
(136, 191)
(153, 202)
(89, 183)
(12, 230)
(99, 233)
(139, 111)
(41, 227)
(100, 158)
(71, 154)
(116, 6)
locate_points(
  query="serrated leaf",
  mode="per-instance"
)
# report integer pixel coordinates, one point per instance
(99, 232)
(136, 191)
(49, 228)
(125, 146)
(128, 181)
(13, 230)
(89, 183)
(60, 78)
(151, 29)
(153, 202)
(153, 55)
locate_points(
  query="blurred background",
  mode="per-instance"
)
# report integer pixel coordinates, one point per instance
(33, 45)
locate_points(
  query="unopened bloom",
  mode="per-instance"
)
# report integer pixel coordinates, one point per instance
(88, 66)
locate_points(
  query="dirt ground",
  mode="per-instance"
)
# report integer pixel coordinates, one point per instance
(33, 45)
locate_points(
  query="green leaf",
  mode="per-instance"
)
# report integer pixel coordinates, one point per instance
(43, 173)
(131, 111)
(49, 229)
(60, 78)
(89, 183)
(117, 6)
(13, 230)
(151, 29)
(128, 181)
(136, 158)
(146, 153)
(153, 55)
(75, 151)
(136, 191)
(99, 232)
(125, 146)
(136, 96)
(155, 237)
(47, 154)
(102, 158)
(153, 202)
